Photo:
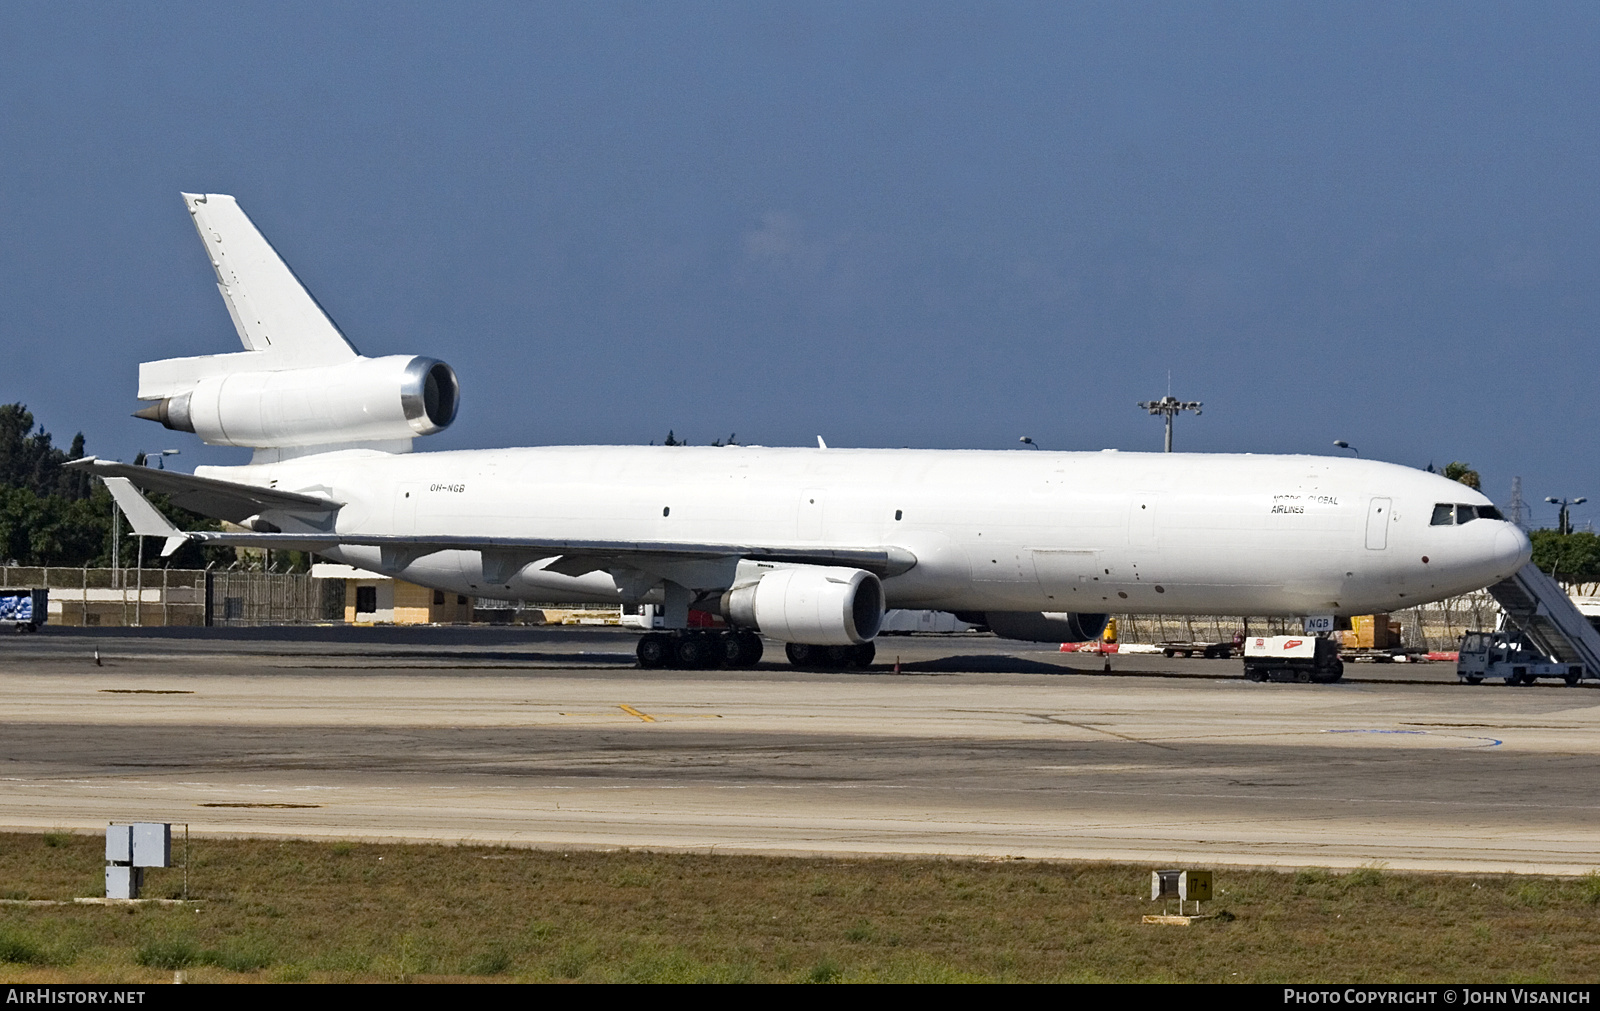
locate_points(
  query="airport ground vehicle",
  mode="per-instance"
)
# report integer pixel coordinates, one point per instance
(1301, 658)
(1511, 656)
(807, 546)
(1209, 650)
(24, 610)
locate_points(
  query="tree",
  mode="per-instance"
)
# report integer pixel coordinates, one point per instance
(28, 460)
(1572, 558)
(50, 515)
(1463, 472)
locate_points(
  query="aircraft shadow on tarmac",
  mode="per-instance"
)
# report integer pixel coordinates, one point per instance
(981, 663)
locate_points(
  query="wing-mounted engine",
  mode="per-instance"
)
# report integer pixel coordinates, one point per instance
(821, 605)
(361, 400)
(1047, 626)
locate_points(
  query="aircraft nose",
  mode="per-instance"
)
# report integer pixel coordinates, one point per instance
(1512, 549)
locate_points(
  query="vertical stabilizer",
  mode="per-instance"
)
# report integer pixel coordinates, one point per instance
(271, 309)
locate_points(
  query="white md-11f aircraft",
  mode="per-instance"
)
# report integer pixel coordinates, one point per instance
(805, 546)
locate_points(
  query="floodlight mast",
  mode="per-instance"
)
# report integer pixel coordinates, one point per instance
(1565, 505)
(1169, 407)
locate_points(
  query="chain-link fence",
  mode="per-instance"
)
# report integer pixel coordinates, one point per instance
(82, 596)
(274, 598)
(155, 597)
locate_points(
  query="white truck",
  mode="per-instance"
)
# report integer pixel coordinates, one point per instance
(1300, 658)
(1509, 655)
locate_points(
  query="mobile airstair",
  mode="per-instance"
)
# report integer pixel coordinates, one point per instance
(1541, 609)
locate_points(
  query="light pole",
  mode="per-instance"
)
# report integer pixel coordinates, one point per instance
(1169, 406)
(1027, 440)
(1565, 504)
(1345, 445)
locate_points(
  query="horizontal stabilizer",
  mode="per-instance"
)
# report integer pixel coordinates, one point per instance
(223, 500)
(145, 518)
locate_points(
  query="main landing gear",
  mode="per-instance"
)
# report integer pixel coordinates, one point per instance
(702, 649)
(698, 649)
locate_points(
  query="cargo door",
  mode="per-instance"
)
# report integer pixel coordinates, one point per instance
(1378, 524)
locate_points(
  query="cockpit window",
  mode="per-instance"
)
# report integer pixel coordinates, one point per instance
(1446, 514)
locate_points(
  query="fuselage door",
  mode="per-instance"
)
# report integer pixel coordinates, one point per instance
(405, 508)
(809, 525)
(1378, 524)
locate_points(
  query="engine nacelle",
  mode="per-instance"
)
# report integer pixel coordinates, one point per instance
(365, 400)
(821, 605)
(1046, 626)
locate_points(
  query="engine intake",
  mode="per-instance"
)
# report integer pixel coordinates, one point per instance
(365, 400)
(820, 605)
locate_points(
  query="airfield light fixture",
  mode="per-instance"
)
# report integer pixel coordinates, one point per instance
(1565, 505)
(159, 459)
(1345, 445)
(1169, 407)
(1027, 440)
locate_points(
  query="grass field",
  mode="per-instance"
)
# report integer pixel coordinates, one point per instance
(303, 911)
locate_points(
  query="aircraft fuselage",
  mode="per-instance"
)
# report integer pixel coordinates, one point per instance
(990, 530)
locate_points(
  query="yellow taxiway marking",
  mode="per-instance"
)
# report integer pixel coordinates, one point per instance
(650, 717)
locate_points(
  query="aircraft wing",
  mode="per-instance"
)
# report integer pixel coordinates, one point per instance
(578, 555)
(227, 500)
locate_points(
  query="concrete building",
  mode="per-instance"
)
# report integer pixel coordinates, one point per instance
(370, 598)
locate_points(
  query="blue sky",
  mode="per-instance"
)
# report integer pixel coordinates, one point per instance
(938, 225)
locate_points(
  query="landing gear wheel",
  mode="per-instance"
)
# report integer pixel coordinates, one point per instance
(655, 650)
(801, 654)
(730, 647)
(750, 649)
(693, 652)
(862, 655)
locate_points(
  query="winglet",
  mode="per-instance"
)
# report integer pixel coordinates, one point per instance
(146, 519)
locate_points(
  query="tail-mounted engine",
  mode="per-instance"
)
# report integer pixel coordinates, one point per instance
(362, 400)
(821, 605)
